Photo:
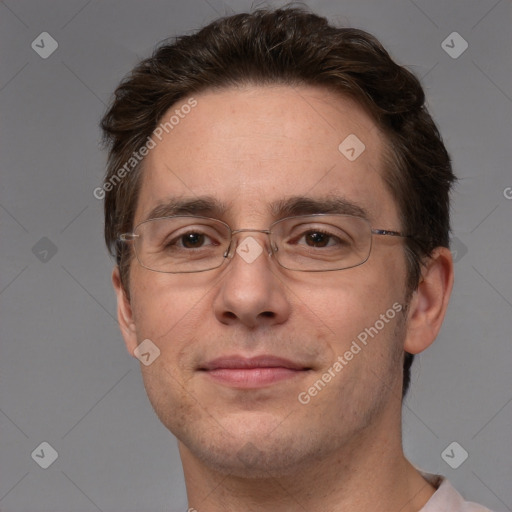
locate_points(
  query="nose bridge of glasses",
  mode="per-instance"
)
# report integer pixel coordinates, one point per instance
(249, 230)
(233, 246)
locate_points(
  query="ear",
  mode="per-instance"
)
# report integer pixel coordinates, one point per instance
(124, 313)
(429, 301)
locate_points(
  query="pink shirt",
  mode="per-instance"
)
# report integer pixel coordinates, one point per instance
(447, 499)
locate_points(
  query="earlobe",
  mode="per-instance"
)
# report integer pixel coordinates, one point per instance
(124, 313)
(429, 301)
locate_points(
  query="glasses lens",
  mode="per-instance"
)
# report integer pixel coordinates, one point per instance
(309, 243)
(181, 244)
(319, 243)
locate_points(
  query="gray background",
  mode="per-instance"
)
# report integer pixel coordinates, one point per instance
(65, 377)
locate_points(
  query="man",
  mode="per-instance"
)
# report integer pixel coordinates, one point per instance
(277, 200)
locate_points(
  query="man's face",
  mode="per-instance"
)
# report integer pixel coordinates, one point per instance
(249, 148)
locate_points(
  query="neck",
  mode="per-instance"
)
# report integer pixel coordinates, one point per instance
(370, 474)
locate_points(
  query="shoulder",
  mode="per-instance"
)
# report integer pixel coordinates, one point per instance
(446, 498)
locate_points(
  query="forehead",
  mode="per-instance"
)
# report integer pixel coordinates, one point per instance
(255, 146)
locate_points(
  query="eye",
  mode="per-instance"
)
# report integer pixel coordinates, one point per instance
(190, 240)
(320, 238)
(317, 238)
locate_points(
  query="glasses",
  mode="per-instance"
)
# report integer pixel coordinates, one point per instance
(306, 243)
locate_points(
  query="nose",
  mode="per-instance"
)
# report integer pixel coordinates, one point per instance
(251, 293)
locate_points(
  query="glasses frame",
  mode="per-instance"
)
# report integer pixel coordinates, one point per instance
(229, 253)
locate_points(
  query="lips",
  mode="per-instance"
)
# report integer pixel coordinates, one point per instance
(254, 372)
(243, 363)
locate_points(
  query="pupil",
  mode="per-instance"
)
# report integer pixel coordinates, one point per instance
(192, 239)
(318, 239)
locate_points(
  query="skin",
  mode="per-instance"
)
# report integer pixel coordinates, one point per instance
(260, 449)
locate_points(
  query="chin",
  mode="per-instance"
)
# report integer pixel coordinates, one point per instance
(253, 449)
(250, 459)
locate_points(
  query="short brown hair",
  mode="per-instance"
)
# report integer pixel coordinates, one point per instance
(294, 47)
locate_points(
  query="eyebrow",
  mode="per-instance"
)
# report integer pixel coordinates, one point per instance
(206, 206)
(303, 205)
(209, 206)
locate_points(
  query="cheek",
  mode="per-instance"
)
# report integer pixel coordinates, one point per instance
(341, 307)
(168, 394)
(164, 305)
(177, 317)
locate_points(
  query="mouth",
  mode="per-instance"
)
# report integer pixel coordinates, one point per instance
(255, 372)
